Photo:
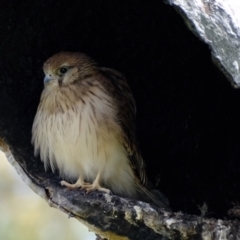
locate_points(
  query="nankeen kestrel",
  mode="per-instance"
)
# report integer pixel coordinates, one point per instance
(84, 127)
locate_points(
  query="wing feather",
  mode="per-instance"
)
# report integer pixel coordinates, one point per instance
(126, 109)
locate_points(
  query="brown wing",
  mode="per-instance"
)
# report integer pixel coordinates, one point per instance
(126, 116)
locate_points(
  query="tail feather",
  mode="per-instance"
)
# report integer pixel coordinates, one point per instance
(156, 197)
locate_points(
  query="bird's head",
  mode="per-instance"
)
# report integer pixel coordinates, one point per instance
(65, 68)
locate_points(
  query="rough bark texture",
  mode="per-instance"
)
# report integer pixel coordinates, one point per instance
(187, 119)
(217, 23)
(113, 217)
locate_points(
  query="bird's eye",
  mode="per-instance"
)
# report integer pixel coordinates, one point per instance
(63, 70)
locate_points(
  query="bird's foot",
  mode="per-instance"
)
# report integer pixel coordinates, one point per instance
(79, 184)
(95, 186)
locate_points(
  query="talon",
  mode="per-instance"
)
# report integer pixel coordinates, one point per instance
(86, 186)
(67, 185)
(78, 184)
(91, 187)
(95, 185)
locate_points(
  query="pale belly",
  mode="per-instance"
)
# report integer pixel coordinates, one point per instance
(79, 146)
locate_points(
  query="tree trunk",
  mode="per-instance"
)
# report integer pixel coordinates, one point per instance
(188, 126)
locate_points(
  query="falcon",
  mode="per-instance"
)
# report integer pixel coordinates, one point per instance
(84, 127)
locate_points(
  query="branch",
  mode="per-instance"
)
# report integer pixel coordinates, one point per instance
(108, 215)
(114, 217)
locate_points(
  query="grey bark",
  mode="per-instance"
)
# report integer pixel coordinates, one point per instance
(108, 215)
(113, 217)
(217, 23)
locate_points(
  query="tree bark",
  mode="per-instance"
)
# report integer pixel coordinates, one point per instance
(216, 22)
(113, 217)
(184, 104)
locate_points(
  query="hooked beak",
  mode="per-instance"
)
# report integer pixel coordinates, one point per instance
(47, 79)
